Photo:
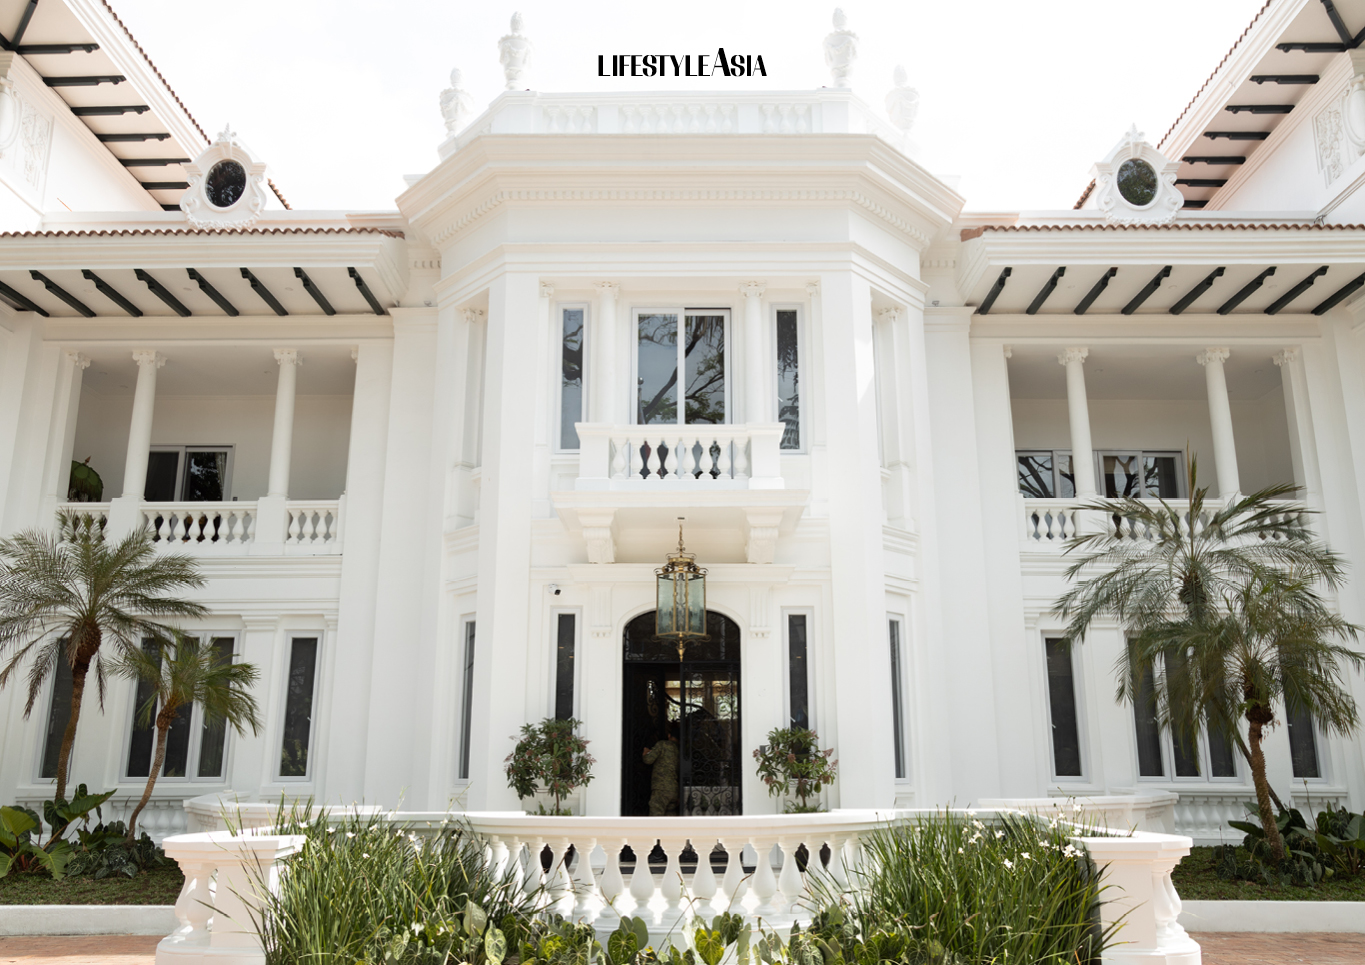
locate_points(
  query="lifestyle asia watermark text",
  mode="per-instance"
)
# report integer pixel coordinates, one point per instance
(681, 65)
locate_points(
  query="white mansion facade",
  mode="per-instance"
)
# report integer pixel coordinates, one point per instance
(430, 458)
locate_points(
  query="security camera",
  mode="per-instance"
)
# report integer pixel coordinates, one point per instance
(554, 588)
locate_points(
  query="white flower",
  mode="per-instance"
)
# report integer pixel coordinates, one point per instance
(1026, 856)
(350, 834)
(364, 854)
(971, 812)
(978, 825)
(960, 851)
(1000, 834)
(1009, 863)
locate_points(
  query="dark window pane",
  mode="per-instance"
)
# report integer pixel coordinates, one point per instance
(178, 743)
(897, 733)
(1066, 476)
(1303, 745)
(788, 380)
(467, 704)
(1222, 763)
(213, 736)
(571, 378)
(1061, 692)
(564, 664)
(657, 363)
(705, 366)
(1121, 476)
(162, 468)
(205, 476)
(1035, 474)
(57, 717)
(1148, 733)
(143, 739)
(1184, 750)
(797, 669)
(1159, 477)
(298, 707)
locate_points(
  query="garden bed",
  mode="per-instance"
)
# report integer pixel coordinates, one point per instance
(156, 886)
(1196, 879)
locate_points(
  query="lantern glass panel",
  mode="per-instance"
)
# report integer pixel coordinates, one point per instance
(665, 614)
(696, 604)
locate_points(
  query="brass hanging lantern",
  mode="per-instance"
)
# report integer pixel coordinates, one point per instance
(681, 611)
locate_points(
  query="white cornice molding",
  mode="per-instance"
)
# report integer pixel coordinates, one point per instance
(201, 330)
(1195, 331)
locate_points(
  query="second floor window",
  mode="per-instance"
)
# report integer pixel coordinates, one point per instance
(195, 474)
(570, 375)
(681, 367)
(1141, 474)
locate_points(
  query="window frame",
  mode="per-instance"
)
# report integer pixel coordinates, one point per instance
(809, 614)
(196, 746)
(900, 711)
(464, 743)
(180, 464)
(1077, 697)
(277, 744)
(553, 699)
(682, 314)
(51, 685)
(1321, 750)
(557, 339)
(1166, 741)
(1141, 453)
(803, 383)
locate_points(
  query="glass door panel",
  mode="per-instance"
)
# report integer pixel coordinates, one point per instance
(657, 376)
(1121, 475)
(704, 358)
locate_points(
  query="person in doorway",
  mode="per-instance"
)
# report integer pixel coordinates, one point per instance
(663, 756)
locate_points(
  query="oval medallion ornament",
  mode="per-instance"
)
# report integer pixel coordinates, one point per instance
(225, 183)
(1137, 182)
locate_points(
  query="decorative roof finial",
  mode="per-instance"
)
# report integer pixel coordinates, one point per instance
(226, 136)
(841, 49)
(456, 104)
(514, 52)
(902, 103)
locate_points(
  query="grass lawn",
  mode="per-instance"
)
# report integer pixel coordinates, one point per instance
(157, 886)
(1195, 878)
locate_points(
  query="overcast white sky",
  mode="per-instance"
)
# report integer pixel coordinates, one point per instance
(1019, 97)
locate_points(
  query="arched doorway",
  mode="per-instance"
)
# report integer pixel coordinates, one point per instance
(697, 699)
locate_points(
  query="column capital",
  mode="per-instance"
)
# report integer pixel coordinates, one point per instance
(889, 315)
(149, 356)
(79, 360)
(288, 356)
(1075, 354)
(607, 289)
(547, 290)
(753, 289)
(472, 315)
(812, 288)
(1285, 356)
(1213, 355)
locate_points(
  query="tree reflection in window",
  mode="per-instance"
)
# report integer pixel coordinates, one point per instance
(571, 378)
(702, 358)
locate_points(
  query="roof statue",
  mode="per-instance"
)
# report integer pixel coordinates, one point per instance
(514, 53)
(841, 49)
(456, 104)
(902, 103)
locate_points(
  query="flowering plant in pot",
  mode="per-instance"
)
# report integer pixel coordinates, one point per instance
(549, 757)
(792, 762)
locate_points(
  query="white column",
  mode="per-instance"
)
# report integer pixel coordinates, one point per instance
(604, 388)
(140, 432)
(282, 441)
(1220, 417)
(62, 434)
(755, 375)
(1082, 455)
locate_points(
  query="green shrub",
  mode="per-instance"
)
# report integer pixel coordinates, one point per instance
(793, 763)
(550, 757)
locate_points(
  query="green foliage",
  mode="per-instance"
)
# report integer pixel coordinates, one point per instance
(60, 813)
(19, 851)
(365, 891)
(105, 851)
(794, 763)
(1340, 836)
(1333, 847)
(20, 828)
(551, 757)
(85, 485)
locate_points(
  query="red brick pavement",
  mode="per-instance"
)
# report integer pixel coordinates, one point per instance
(80, 950)
(1309, 948)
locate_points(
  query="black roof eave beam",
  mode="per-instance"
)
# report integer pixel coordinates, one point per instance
(365, 291)
(24, 22)
(1340, 295)
(1259, 108)
(1283, 301)
(25, 303)
(1095, 291)
(29, 50)
(1195, 203)
(152, 162)
(1048, 287)
(995, 291)
(1284, 78)
(1312, 48)
(1190, 296)
(131, 138)
(1214, 159)
(1147, 291)
(312, 288)
(84, 80)
(214, 294)
(1202, 182)
(1237, 135)
(111, 293)
(62, 293)
(264, 292)
(164, 185)
(162, 292)
(1247, 291)
(110, 110)
(1339, 25)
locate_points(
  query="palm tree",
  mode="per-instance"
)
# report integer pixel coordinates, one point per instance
(62, 593)
(1228, 596)
(182, 673)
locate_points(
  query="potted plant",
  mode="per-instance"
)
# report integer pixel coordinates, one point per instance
(793, 763)
(552, 758)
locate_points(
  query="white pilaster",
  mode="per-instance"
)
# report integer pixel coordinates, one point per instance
(1082, 455)
(755, 373)
(282, 440)
(62, 436)
(1220, 418)
(604, 391)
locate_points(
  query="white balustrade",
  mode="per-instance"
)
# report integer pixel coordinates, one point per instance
(313, 523)
(680, 457)
(686, 118)
(201, 528)
(88, 517)
(1049, 523)
(569, 119)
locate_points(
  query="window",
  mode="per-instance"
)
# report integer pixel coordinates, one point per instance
(564, 666)
(897, 714)
(1148, 731)
(1303, 745)
(788, 379)
(198, 474)
(1045, 474)
(58, 714)
(798, 671)
(298, 707)
(1141, 475)
(700, 396)
(1061, 693)
(195, 745)
(570, 375)
(467, 701)
(1162, 751)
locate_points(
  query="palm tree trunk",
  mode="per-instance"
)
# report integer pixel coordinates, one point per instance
(163, 727)
(1272, 830)
(78, 673)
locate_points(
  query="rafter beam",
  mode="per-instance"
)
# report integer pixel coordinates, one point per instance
(311, 288)
(1284, 78)
(1147, 291)
(164, 185)
(110, 110)
(995, 291)
(1190, 296)
(1312, 48)
(84, 80)
(1195, 203)
(1237, 135)
(1202, 182)
(1095, 291)
(25, 303)
(1048, 287)
(24, 22)
(152, 162)
(1283, 301)
(1338, 24)
(1249, 289)
(62, 293)
(1214, 159)
(365, 291)
(162, 292)
(29, 50)
(130, 138)
(264, 292)
(1340, 295)
(1259, 108)
(111, 293)
(213, 293)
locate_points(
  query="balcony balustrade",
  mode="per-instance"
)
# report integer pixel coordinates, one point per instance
(1049, 524)
(311, 527)
(697, 457)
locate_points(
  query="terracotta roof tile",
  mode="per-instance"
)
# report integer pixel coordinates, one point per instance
(1085, 195)
(969, 233)
(141, 232)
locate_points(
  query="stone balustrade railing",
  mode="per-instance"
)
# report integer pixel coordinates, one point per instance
(308, 527)
(679, 457)
(202, 527)
(665, 870)
(1049, 523)
(1150, 811)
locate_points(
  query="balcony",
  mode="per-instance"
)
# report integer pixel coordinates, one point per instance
(1048, 525)
(307, 528)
